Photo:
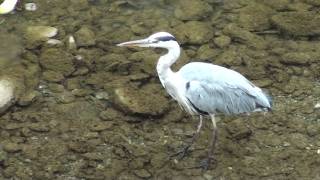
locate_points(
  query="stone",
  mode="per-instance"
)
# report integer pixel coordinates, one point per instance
(30, 6)
(194, 32)
(100, 126)
(313, 2)
(277, 4)
(3, 155)
(9, 51)
(7, 94)
(238, 129)
(302, 23)
(66, 97)
(255, 17)
(57, 60)
(85, 37)
(193, 10)
(39, 127)
(206, 52)
(142, 101)
(244, 36)
(142, 173)
(109, 115)
(299, 58)
(222, 41)
(52, 76)
(12, 126)
(11, 147)
(35, 33)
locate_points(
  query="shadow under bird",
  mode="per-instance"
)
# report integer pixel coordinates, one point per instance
(203, 88)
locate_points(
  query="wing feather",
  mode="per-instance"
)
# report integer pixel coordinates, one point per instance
(214, 89)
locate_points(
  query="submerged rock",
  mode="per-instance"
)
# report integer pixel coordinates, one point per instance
(35, 33)
(194, 32)
(6, 94)
(85, 37)
(57, 61)
(299, 58)
(144, 101)
(193, 10)
(255, 17)
(244, 36)
(303, 23)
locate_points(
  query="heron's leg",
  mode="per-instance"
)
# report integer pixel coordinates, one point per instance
(205, 163)
(183, 152)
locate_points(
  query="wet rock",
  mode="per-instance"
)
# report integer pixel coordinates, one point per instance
(229, 57)
(222, 41)
(10, 50)
(30, 6)
(299, 58)
(313, 2)
(277, 4)
(52, 76)
(243, 36)
(109, 115)
(159, 160)
(81, 71)
(42, 33)
(299, 6)
(100, 126)
(313, 129)
(207, 52)
(142, 173)
(57, 60)
(304, 23)
(255, 17)
(81, 92)
(28, 98)
(102, 95)
(79, 147)
(85, 37)
(143, 101)
(193, 10)
(39, 127)
(95, 156)
(66, 97)
(12, 126)
(3, 156)
(194, 32)
(238, 129)
(6, 94)
(299, 140)
(79, 4)
(11, 147)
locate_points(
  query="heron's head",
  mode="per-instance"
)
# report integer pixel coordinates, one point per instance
(160, 40)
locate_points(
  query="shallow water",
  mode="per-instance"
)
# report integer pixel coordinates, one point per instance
(92, 110)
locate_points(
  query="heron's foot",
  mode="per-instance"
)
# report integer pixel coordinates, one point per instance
(205, 163)
(181, 153)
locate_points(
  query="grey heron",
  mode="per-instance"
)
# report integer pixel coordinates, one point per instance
(203, 88)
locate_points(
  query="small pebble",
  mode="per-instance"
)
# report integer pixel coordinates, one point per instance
(11, 147)
(30, 6)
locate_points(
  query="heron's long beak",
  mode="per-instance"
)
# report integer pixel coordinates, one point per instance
(139, 43)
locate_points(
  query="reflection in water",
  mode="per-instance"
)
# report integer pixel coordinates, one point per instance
(91, 110)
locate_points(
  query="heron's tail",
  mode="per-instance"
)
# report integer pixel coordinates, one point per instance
(270, 100)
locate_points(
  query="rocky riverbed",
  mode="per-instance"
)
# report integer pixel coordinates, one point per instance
(83, 108)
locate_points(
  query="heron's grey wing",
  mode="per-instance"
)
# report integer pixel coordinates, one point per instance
(213, 88)
(219, 98)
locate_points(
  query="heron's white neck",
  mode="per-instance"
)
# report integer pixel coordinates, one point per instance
(165, 61)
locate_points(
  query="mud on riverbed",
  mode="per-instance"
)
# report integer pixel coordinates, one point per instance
(86, 109)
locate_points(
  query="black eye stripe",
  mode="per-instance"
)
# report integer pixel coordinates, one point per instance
(166, 38)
